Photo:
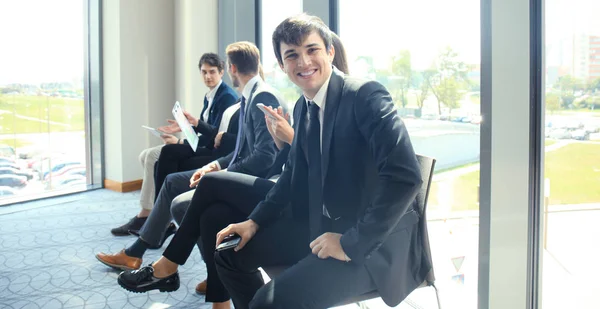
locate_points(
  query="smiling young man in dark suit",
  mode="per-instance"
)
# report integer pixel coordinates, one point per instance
(343, 212)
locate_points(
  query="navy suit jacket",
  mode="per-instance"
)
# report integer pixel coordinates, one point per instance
(224, 98)
(257, 151)
(370, 180)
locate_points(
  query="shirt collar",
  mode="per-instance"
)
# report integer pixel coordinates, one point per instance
(321, 95)
(248, 88)
(211, 94)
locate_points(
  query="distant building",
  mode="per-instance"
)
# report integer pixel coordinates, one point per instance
(594, 57)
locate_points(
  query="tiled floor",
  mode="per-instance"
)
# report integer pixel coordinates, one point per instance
(47, 256)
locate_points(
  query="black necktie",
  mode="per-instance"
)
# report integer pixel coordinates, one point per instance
(204, 109)
(238, 140)
(315, 186)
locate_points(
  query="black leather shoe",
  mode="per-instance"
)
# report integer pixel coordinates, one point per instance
(172, 229)
(143, 280)
(135, 224)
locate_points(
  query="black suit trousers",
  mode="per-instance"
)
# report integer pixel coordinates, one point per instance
(179, 158)
(310, 283)
(221, 198)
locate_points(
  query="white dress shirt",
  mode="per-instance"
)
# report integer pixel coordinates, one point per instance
(210, 96)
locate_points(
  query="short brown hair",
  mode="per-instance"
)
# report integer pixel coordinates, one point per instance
(293, 30)
(245, 56)
(212, 60)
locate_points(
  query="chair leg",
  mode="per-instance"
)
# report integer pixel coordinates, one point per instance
(437, 296)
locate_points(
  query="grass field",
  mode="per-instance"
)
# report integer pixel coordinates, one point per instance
(573, 170)
(28, 114)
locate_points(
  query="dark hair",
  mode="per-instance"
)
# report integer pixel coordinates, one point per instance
(293, 30)
(245, 56)
(340, 60)
(213, 60)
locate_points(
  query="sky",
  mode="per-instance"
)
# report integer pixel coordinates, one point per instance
(42, 41)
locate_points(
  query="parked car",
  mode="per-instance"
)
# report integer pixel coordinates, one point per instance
(68, 179)
(10, 165)
(14, 171)
(61, 165)
(13, 181)
(7, 191)
(580, 134)
(7, 151)
(8, 160)
(560, 134)
(68, 169)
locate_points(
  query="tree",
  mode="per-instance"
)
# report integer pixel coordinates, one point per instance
(450, 77)
(594, 85)
(449, 92)
(568, 85)
(427, 76)
(552, 102)
(402, 69)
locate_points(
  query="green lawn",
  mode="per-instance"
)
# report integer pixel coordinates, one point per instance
(37, 109)
(574, 173)
(549, 142)
(573, 170)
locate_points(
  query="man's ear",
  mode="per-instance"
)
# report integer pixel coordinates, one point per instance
(282, 67)
(331, 53)
(233, 69)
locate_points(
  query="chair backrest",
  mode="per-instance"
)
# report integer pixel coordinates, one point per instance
(427, 165)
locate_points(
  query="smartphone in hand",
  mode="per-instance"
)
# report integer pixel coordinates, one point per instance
(263, 108)
(229, 242)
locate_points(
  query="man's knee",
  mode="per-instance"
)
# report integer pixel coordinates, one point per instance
(265, 299)
(179, 207)
(142, 156)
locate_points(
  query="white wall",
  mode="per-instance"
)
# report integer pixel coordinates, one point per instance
(151, 51)
(196, 27)
(139, 79)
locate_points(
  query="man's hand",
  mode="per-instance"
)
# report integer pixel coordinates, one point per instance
(193, 120)
(279, 126)
(171, 128)
(245, 229)
(218, 139)
(169, 139)
(208, 168)
(328, 245)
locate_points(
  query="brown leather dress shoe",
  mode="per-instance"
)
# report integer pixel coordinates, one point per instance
(119, 260)
(201, 287)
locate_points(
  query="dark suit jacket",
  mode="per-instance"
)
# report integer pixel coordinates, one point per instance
(257, 151)
(370, 180)
(224, 98)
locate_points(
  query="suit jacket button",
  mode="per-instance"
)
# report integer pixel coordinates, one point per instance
(368, 256)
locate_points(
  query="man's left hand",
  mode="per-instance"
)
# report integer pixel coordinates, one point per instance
(328, 245)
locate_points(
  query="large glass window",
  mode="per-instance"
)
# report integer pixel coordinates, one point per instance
(273, 13)
(427, 54)
(42, 118)
(572, 155)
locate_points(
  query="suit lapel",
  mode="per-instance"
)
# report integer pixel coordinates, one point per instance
(334, 94)
(215, 100)
(247, 117)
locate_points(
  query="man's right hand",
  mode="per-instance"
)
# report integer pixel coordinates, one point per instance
(218, 139)
(279, 126)
(246, 230)
(208, 168)
(193, 120)
(172, 128)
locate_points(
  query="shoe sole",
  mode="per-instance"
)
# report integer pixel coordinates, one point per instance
(115, 266)
(120, 234)
(144, 290)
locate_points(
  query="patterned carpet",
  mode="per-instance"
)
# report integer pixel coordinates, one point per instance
(47, 256)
